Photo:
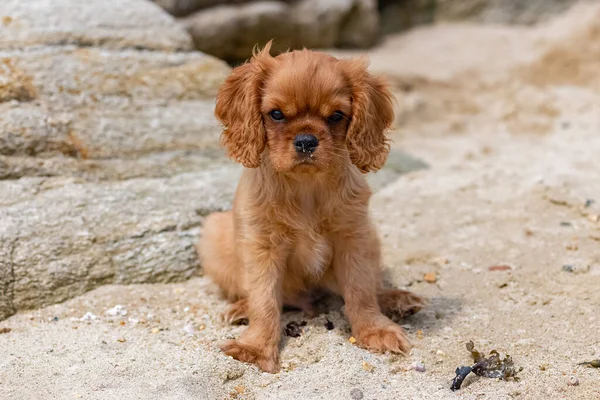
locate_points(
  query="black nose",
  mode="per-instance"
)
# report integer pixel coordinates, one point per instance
(305, 143)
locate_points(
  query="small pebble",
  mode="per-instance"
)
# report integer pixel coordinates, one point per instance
(189, 329)
(430, 277)
(116, 311)
(155, 330)
(356, 394)
(240, 389)
(568, 268)
(417, 366)
(589, 202)
(367, 367)
(4, 330)
(88, 316)
(352, 339)
(573, 381)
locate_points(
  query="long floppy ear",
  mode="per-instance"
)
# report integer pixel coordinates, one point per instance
(238, 108)
(372, 116)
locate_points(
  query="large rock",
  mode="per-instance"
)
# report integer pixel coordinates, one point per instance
(109, 152)
(231, 31)
(181, 8)
(500, 11)
(398, 15)
(107, 23)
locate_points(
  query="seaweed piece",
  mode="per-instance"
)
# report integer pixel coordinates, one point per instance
(591, 364)
(461, 374)
(492, 366)
(328, 324)
(294, 329)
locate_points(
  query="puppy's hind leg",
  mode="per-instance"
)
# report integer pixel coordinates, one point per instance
(218, 256)
(400, 303)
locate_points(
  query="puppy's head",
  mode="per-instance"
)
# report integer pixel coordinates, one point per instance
(305, 111)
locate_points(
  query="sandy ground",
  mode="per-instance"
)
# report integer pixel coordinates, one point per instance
(514, 181)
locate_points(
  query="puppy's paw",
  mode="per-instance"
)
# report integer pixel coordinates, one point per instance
(385, 337)
(401, 303)
(237, 313)
(264, 358)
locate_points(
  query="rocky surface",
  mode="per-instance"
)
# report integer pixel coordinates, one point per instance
(107, 148)
(230, 31)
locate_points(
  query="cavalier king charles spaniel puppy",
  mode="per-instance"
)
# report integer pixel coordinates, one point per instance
(307, 127)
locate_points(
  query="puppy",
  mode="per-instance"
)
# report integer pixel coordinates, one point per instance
(306, 127)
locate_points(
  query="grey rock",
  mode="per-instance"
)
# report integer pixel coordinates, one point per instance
(500, 11)
(64, 236)
(109, 155)
(361, 26)
(398, 15)
(230, 31)
(182, 8)
(108, 23)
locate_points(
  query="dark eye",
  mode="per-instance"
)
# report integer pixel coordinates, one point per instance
(277, 115)
(336, 116)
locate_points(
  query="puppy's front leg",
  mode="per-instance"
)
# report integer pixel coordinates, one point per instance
(356, 267)
(259, 344)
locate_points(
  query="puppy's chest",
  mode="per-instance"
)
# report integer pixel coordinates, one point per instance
(311, 254)
(312, 248)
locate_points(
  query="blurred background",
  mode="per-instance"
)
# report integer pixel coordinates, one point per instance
(489, 204)
(230, 29)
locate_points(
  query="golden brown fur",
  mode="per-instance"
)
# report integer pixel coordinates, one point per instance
(301, 221)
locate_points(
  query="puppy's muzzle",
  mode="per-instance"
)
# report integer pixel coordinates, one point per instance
(305, 144)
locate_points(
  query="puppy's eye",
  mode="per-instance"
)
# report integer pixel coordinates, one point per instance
(277, 115)
(336, 116)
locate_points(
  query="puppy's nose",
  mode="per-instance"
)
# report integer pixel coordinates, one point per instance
(305, 143)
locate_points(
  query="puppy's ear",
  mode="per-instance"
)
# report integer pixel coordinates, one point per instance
(238, 108)
(372, 116)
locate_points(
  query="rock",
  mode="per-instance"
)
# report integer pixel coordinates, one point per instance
(113, 24)
(361, 27)
(230, 32)
(181, 8)
(356, 394)
(398, 15)
(500, 11)
(109, 155)
(69, 236)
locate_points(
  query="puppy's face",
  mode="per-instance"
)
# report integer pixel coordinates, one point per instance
(305, 112)
(306, 106)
